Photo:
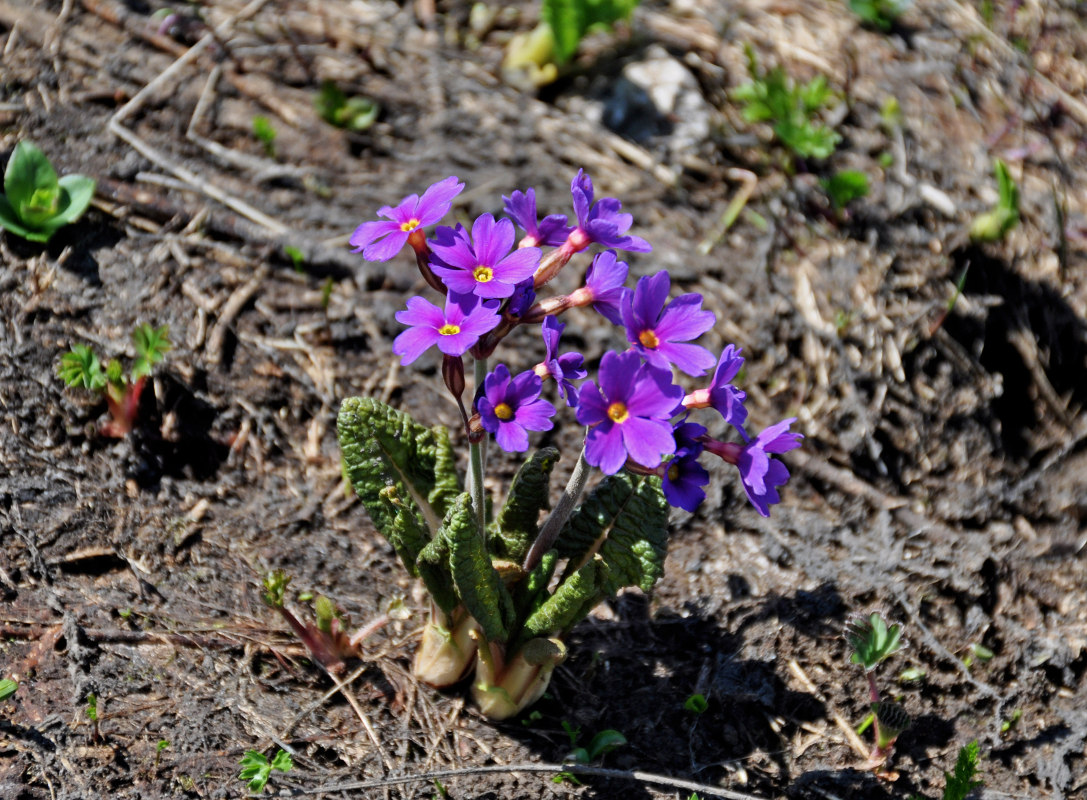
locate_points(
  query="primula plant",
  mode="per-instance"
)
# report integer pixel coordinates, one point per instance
(80, 367)
(36, 203)
(505, 589)
(873, 641)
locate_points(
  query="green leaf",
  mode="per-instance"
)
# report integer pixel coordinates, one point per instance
(571, 601)
(384, 447)
(605, 742)
(963, 780)
(9, 221)
(513, 533)
(566, 18)
(77, 192)
(477, 582)
(152, 345)
(29, 173)
(282, 761)
(8, 687)
(531, 592)
(432, 566)
(406, 535)
(80, 367)
(872, 639)
(696, 704)
(255, 770)
(625, 520)
(844, 187)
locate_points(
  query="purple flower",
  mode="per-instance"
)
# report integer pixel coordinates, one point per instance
(564, 369)
(721, 394)
(683, 477)
(380, 240)
(760, 474)
(629, 413)
(658, 331)
(454, 330)
(483, 264)
(524, 295)
(509, 408)
(603, 222)
(552, 230)
(605, 280)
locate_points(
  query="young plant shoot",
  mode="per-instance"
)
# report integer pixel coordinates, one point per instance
(80, 367)
(873, 641)
(505, 587)
(36, 203)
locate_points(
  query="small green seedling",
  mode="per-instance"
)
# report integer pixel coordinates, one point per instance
(603, 742)
(36, 203)
(162, 745)
(535, 57)
(844, 187)
(326, 640)
(91, 710)
(978, 652)
(881, 14)
(696, 704)
(994, 224)
(1008, 725)
(350, 113)
(297, 257)
(873, 641)
(960, 783)
(257, 769)
(8, 687)
(265, 133)
(789, 107)
(80, 367)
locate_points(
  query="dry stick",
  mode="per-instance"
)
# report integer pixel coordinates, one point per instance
(851, 736)
(365, 720)
(233, 306)
(577, 769)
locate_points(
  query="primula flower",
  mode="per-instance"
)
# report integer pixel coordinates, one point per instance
(510, 407)
(721, 394)
(482, 264)
(605, 281)
(629, 413)
(381, 240)
(552, 230)
(683, 477)
(602, 223)
(564, 369)
(760, 474)
(658, 332)
(454, 330)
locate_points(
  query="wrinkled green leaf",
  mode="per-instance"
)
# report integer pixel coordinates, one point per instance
(515, 529)
(406, 535)
(433, 567)
(625, 520)
(478, 584)
(531, 592)
(571, 601)
(384, 447)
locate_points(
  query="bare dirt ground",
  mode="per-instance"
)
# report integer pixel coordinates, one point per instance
(943, 477)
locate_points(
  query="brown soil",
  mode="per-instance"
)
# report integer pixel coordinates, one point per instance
(943, 477)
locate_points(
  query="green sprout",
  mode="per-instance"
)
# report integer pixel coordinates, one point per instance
(297, 257)
(603, 742)
(995, 223)
(844, 187)
(873, 640)
(535, 57)
(1009, 724)
(36, 203)
(92, 708)
(162, 745)
(789, 107)
(964, 779)
(350, 113)
(696, 704)
(326, 640)
(265, 133)
(257, 769)
(8, 687)
(881, 14)
(80, 368)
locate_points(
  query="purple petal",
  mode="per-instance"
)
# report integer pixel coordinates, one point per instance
(690, 358)
(421, 311)
(551, 330)
(384, 249)
(617, 375)
(483, 240)
(684, 319)
(436, 200)
(511, 437)
(650, 295)
(521, 208)
(413, 342)
(536, 415)
(591, 407)
(647, 440)
(367, 232)
(518, 265)
(604, 448)
(778, 439)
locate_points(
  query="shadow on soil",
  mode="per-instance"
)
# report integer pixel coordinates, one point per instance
(634, 674)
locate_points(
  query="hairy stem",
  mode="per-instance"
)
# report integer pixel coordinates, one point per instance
(551, 528)
(476, 455)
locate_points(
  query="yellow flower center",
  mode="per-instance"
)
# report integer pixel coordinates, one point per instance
(483, 274)
(410, 225)
(617, 412)
(449, 329)
(649, 339)
(673, 472)
(503, 411)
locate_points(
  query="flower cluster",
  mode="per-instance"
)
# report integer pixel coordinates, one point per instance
(635, 414)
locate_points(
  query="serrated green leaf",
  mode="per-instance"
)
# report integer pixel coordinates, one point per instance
(385, 447)
(478, 584)
(151, 347)
(625, 520)
(963, 780)
(513, 533)
(80, 367)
